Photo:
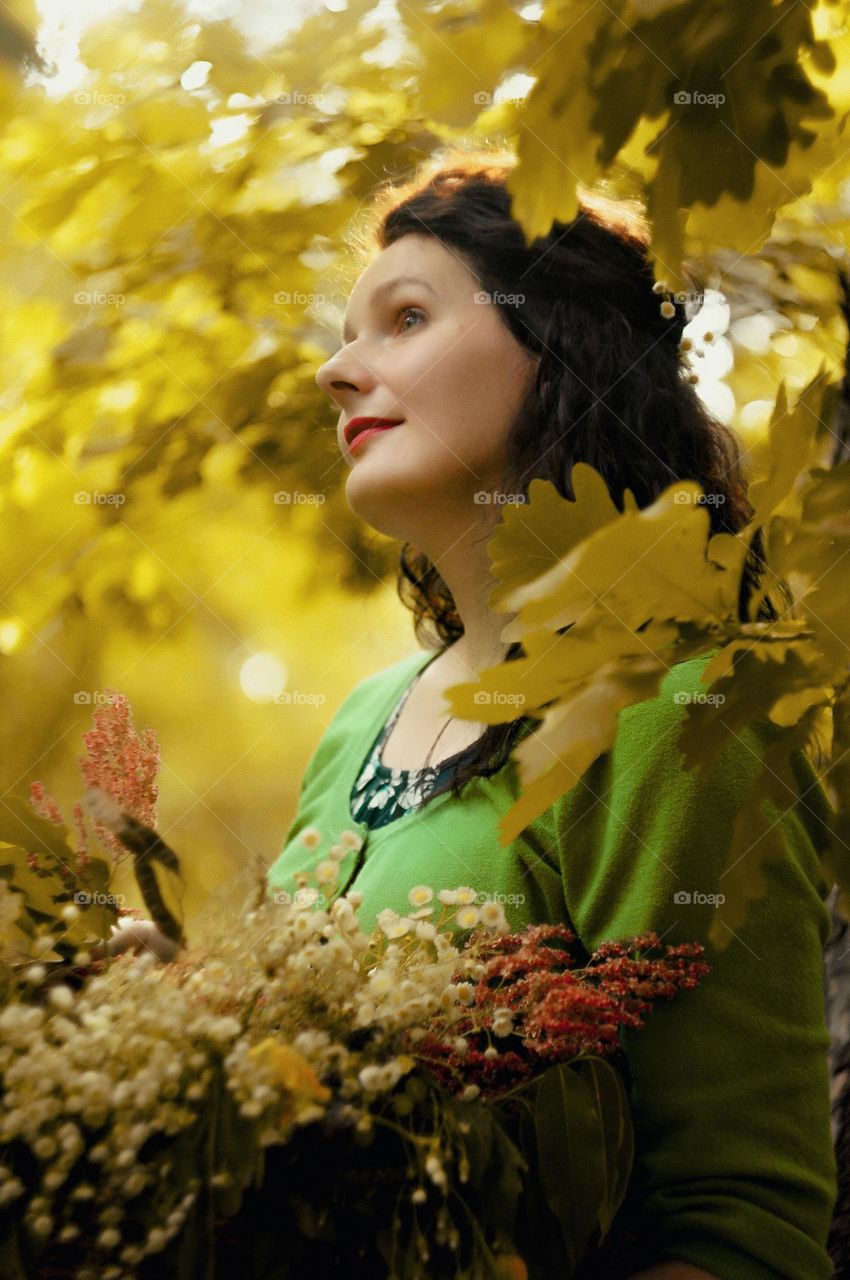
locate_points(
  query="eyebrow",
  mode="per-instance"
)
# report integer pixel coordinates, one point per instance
(385, 288)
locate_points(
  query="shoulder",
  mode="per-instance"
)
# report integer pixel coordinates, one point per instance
(677, 688)
(655, 729)
(645, 781)
(359, 713)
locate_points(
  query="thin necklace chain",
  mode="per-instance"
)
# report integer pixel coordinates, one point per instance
(439, 735)
(436, 740)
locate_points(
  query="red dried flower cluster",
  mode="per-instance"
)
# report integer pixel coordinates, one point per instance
(121, 761)
(535, 1010)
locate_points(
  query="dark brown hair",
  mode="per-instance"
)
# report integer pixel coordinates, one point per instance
(610, 389)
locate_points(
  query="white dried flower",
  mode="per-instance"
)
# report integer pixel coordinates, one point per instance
(351, 839)
(62, 997)
(491, 914)
(310, 837)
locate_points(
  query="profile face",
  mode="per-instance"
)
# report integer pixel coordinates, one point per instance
(431, 353)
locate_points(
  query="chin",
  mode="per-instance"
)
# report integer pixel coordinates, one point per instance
(386, 506)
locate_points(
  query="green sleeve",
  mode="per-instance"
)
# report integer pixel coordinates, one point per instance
(734, 1167)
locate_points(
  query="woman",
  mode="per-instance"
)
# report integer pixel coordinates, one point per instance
(497, 362)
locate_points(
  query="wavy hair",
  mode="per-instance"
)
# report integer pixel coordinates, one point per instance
(611, 389)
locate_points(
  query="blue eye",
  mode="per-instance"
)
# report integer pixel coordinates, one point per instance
(402, 310)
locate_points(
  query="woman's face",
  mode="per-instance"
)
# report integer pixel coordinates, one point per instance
(432, 353)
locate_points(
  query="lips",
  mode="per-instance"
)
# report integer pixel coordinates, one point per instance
(357, 425)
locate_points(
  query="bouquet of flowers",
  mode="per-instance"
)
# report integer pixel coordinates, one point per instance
(292, 1093)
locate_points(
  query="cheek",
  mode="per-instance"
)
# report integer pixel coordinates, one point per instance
(492, 380)
(465, 385)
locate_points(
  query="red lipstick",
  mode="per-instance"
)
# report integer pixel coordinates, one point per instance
(360, 428)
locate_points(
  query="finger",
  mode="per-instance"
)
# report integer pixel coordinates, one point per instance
(141, 936)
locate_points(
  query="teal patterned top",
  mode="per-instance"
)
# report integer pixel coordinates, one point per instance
(381, 794)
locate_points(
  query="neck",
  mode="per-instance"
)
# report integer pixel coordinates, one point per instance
(465, 568)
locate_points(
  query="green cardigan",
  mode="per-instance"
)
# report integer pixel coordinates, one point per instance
(734, 1164)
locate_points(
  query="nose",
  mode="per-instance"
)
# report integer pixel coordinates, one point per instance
(344, 374)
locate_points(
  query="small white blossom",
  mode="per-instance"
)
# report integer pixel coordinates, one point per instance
(351, 839)
(62, 997)
(491, 914)
(310, 837)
